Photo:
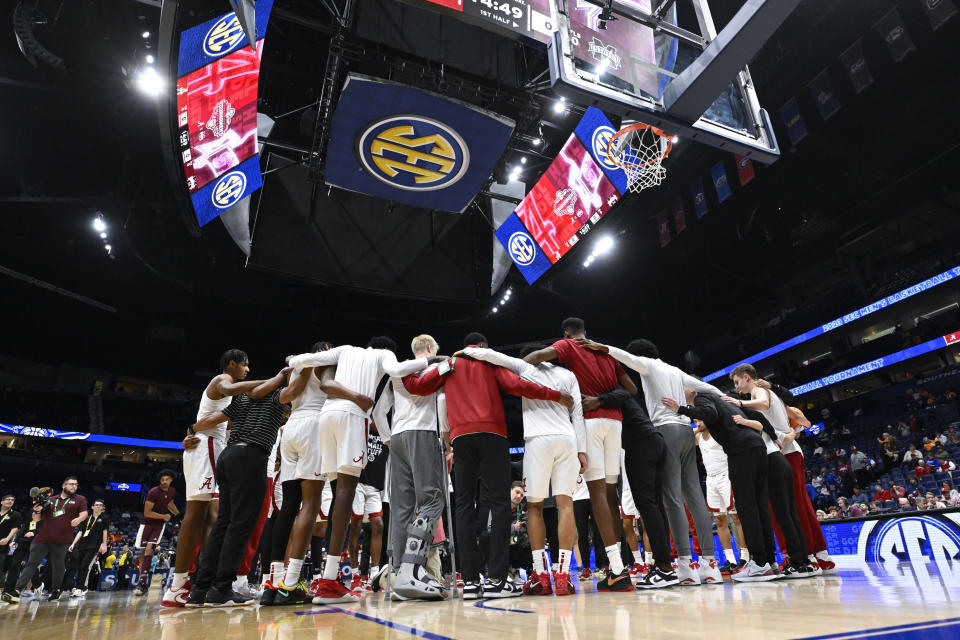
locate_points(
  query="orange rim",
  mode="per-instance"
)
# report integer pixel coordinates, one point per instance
(630, 128)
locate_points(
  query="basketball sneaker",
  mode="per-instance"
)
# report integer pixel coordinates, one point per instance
(816, 565)
(827, 566)
(755, 573)
(176, 597)
(728, 568)
(657, 578)
(636, 571)
(472, 590)
(585, 574)
(501, 589)
(562, 584)
(709, 572)
(356, 584)
(616, 581)
(11, 596)
(688, 573)
(294, 594)
(226, 597)
(459, 581)
(332, 592)
(141, 589)
(538, 584)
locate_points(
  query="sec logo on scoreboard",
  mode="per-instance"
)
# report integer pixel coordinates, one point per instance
(223, 37)
(228, 190)
(522, 248)
(413, 153)
(408, 145)
(595, 131)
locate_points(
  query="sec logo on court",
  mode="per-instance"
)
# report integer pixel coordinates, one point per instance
(912, 539)
(522, 248)
(413, 153)
(229, 190)
(223, 36)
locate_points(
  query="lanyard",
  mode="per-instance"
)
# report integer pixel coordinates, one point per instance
(5, 516)
(56, 507)
(90, 524)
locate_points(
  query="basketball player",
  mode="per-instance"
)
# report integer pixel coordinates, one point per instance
(720, 497)
(416, 478)
(341, 442)
(555, 442)
(158, 510)
(597, 373)
(478, 432)
(782, 494)
(747, 466)
(812, 532)
(301, 465)
(681, 478)
(200, 473)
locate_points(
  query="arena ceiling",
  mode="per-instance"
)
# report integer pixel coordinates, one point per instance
(875, 186)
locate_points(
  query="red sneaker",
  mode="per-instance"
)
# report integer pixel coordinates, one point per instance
(644, 569)
(459, 581)
(585, 574)
(785, 563)
(331, 592)
(176, 597)
(538, 584)
(828, 567)
(636, 570)
(562, 584)
(356, 585)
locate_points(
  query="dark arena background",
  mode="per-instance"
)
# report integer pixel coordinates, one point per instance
(763, 182)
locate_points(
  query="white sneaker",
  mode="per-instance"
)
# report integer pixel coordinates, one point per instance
(710, 573)
(754, 573)
(76, 593)
(688, 573)
(245, 589)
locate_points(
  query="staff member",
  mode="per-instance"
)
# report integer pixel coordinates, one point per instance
(90, 541)
(61, 514)
(26, 536)
(255, 421)
(10, 521)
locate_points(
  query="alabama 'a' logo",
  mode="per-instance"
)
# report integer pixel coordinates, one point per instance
(413, 153)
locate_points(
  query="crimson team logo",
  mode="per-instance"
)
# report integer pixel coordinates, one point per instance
(207, 483)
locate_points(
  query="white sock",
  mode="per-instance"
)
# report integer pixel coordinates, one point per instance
(331, 567)
(745, 555)
(292, 575)
(179, 579)
(732, 559)
(634, 556)
(823, 555)
(276, 572)
(562, 565)
(613, 555)
(648, 557)
(539, 555)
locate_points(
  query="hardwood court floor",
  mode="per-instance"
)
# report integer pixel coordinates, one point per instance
(898, 601)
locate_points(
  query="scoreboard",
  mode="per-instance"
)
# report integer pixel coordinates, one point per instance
(532, 19)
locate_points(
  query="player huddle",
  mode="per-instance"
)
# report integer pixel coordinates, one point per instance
(590, 413)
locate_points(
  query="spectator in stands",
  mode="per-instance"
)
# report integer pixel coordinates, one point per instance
(912, 456)
(832, 481)
(904, 429)
(843, 508)
(953, 435)
(821, 514)
(933, 502)
(896, 490)
(833, 513)
(858, 463)
(891, 457)
(940, 438)
(946, 464)
(825, 500)
(928, 444)
(905, 504)
(859, 497)
(913, 486)
(880, 494)
(922, 469)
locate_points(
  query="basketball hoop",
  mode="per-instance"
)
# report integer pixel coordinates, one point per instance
(640, 150)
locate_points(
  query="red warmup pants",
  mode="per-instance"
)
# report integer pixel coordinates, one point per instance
(812, 533)
(254, 542)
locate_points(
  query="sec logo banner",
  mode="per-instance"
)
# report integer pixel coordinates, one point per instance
(223, 36)
(413, 153)
(522, 248)
(228, 190)
(601, 141)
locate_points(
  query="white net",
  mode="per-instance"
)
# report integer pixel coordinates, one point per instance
(640, 153)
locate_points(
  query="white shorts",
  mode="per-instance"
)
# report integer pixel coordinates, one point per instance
(581, 492)
(550, 461)
(299, 449)
(200, 469)
(367, 502)
(342, 444)
(326, 499)
(627, 508)
(720, 494)
(603, 450)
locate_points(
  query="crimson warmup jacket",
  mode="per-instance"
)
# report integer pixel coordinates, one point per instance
(473, 394)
